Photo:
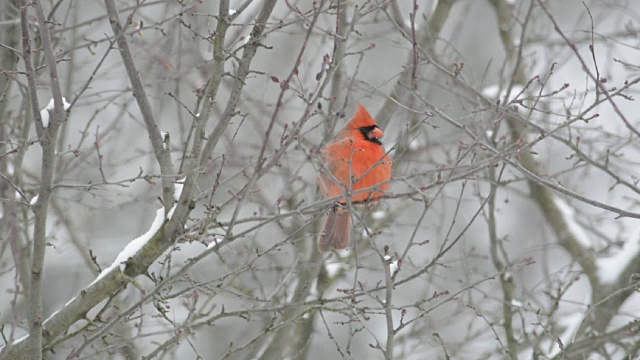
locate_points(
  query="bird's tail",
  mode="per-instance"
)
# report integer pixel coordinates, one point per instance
(337, 231)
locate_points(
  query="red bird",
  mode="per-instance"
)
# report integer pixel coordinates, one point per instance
(356, 154)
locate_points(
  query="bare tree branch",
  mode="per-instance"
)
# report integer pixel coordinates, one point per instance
(162, 154)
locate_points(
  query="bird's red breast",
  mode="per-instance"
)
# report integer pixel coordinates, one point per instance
(356, 154)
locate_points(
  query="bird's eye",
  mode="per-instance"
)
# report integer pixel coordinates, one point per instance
(372, 133)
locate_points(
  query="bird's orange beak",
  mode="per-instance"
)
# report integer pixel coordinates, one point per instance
(376, 134)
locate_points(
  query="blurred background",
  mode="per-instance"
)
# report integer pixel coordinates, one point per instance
(510, 230)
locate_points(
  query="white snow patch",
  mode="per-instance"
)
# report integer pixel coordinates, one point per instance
(333, 268)
(572, 226)
(491, 92)
(214, 242)
(571, 322)
(393, 267)
(232, 12)
(313, 291)
(34, 200)
(378, 215)
(52, 315)
(44, 113)
(177, 190)
(57, 311)
(21, 339)
(134, 246)
(165, 140)
(610, 268)
(415, 144)
(516, 303)
(434, 6)
(344, 252)
(489, 133)
(508, 276)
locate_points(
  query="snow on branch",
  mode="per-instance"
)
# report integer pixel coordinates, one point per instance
(134, 246)
(610, 268)
(572, 225)
(44, 113)
(495, 93)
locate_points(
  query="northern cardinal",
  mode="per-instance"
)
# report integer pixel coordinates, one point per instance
(356, 154)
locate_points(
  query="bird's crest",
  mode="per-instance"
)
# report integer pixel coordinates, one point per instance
(361, 119)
